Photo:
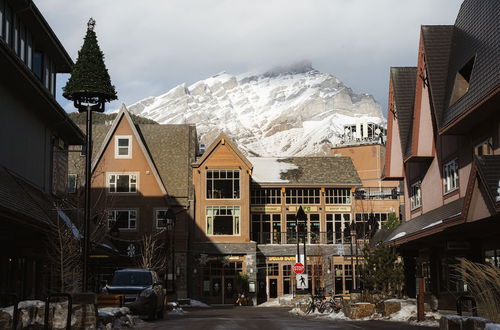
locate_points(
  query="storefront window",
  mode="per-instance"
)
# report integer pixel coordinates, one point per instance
(223, 184)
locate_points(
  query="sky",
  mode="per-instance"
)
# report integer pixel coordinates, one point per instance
(151, 46)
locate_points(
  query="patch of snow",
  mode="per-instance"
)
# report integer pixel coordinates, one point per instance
(266, 169)
(337, 316)
(113, 311)
(492, 326)
(196, 303)
(433, 224)
(399, 235)
(272, 303)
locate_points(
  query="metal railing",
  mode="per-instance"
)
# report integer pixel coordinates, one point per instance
(375, 193)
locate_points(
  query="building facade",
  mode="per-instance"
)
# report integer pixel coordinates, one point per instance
(139, 173)
(246, 233)
(34, 136)
(443, 140)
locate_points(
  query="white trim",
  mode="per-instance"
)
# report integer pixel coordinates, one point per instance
(449, 169)
(418, 185)
(137, 179)
(206, 216)
(129, 148)
(124, 210)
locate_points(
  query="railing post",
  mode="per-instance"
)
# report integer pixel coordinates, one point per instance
(47, 305)
(15, 302)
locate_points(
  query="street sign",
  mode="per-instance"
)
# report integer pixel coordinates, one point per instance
(298, 268)
(302, 282)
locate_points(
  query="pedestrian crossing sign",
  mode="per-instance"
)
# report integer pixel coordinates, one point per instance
(302, 282)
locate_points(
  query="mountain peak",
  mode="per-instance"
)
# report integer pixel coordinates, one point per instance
(285, 111)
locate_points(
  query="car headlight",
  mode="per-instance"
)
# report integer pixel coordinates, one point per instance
(146, 293)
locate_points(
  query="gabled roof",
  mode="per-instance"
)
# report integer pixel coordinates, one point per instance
(123, 113)
(222, 139)
(489, 171)
(476, 34)
(426, 222)
(437, 40)
(330, 171)
(404, 82)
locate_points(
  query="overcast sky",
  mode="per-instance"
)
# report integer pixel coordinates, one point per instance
(151, 46)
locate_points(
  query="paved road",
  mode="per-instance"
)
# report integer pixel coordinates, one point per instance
(260, 319)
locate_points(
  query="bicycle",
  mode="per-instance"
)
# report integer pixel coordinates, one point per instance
(333, 304)
(314, 304)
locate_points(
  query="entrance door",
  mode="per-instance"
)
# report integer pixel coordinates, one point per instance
(216, 290)
(273, 288)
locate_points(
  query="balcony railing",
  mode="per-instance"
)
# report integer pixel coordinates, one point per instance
(290, 237)
(375, 193)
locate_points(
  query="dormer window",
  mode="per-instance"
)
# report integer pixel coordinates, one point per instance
(415, 195)
(462, 79)
(123, 147)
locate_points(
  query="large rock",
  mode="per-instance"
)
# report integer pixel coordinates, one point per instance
(5, 320)
(387, 308)
(358, 310)
(456, 322)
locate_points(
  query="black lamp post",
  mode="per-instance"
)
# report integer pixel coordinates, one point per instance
(171, 230)
(89, 87)
(301, 216)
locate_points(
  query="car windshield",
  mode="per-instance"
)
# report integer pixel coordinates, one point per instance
(132, 279)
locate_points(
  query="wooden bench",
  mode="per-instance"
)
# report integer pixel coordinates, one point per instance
(110, 300)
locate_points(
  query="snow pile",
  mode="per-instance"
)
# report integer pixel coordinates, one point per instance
(175, 308)
(290, 111)
(113, 311)
(492, 326)
(195, 303)
(283, 301)
(270, 303)
(266, 169)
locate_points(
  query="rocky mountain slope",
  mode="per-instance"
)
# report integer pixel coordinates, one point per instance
(286, 111)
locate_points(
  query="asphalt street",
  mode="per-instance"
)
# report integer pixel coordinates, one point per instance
(218, 318)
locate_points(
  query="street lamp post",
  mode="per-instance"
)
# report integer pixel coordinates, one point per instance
(89, 87)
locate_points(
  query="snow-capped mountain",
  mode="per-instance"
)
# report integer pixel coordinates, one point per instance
(287, 111)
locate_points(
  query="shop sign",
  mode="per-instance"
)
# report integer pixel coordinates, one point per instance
(337, 208)
(306, 208)
(265, 209)
(281, 259)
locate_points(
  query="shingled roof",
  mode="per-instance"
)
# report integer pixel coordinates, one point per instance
(171, 147)
(403, 84)
(20, 198)
(332, 171)
(437, 45)
(489, 171)
(476, 34)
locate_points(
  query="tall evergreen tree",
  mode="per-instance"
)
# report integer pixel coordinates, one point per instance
(90, 76)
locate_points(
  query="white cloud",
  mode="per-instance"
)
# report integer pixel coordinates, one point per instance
(154, 45)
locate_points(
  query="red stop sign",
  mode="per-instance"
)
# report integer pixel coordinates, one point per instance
(298, 268)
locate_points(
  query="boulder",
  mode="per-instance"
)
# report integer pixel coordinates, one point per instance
(358, 310)
(5, 320)
(386, 308)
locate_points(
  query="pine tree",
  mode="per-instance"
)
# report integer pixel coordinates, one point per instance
(383, 270)
(90, 75)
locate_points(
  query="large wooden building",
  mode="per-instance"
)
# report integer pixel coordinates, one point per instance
(443, 140)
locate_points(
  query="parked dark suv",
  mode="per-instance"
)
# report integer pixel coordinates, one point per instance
(144, 292)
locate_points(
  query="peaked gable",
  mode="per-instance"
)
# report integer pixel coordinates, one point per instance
(223, 140)
(124, 115)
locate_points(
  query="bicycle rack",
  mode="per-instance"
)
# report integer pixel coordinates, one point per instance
(15, 302)
(461, 300)
(47, 303)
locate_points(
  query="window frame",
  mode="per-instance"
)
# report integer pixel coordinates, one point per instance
(489, 145)
(297, 196)
(270, 196)
(413, 204)
(232, 179)
(336, 194)
(448, 187)
(116, 174)
(209, 220)
(72, 191)
(129, 148)
(156, 211)
(114, 211)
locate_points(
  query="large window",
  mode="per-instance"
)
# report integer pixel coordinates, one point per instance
(122, 219)
(122, 183)
(450, 176)
(484, 148)
(338, 196)
(462, 80)
(265, 196)
(266, 228)
(415, 195)
(223, 220)
(123, 147)
(302, 196)
(223, 184)
(336, 224)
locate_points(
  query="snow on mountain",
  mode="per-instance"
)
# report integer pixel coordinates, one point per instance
(286, 111)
